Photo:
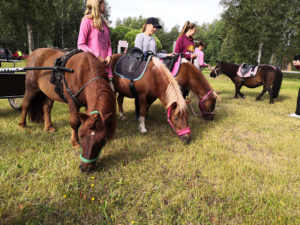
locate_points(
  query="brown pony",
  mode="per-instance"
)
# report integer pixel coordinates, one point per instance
(191, 78)
(157, 82)
(266, 76)
(98, 125)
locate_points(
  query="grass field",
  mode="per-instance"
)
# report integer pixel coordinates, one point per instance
(241, 168)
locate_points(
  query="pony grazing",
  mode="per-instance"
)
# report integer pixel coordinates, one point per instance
(157, 82)
(90, 82)
(267, 75)
(191, 78)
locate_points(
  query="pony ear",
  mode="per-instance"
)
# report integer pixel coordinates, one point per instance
(174, 105)
(188, 100)
(83, 117)
(217, 61)
(106, 117)
(216, 96)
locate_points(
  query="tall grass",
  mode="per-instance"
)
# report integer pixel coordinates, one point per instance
(241, 168)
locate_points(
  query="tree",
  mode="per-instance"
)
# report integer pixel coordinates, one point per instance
(260, 29)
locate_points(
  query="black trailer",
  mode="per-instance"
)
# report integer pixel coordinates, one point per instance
(12, 83)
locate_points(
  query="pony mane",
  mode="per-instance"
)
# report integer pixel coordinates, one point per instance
(201, 76)
(106, 97)
(173, 92)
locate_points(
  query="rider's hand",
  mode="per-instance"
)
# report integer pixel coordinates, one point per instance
(101, 59)
(170, 54)
(107, 60)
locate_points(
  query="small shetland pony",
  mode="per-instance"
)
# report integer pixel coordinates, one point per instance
(266, 76)
(191, 78)
(98, 125)
(157, 82)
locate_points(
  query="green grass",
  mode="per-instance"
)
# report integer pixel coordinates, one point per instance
(241, 168)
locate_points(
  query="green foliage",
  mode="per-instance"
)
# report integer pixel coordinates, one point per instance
(273, 23)
(117, 34)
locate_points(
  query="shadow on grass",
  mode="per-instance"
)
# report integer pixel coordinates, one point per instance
(226, 94)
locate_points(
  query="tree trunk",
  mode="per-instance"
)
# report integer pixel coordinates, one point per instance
(259, 53)
(272, 58)
(30, 37)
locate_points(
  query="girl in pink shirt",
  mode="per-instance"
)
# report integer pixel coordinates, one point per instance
(199, 61)
(94, 33)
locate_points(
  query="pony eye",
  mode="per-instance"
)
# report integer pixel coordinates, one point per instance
(176, 118)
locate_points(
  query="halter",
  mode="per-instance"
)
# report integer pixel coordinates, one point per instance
(179, 132)
(215, 71)
(95, 159)
(202, 105)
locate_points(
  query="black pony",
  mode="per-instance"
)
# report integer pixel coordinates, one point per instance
(267, 75)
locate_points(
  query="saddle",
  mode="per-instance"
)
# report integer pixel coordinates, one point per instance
(247, 70)
(58, 76)
(133, 65)
(170, 61)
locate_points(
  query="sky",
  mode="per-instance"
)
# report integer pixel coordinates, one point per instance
(171, 12)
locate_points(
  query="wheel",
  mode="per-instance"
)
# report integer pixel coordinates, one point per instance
(16, 103)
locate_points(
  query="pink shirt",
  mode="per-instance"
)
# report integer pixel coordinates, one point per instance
(200, 58)
(92, 40)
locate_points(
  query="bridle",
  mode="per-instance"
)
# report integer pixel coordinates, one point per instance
(179, 132)
(104, 142)
(215, 71)
(201, 105)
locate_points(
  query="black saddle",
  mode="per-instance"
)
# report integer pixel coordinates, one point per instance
(170, 61)
(245, 68)
(133, 65)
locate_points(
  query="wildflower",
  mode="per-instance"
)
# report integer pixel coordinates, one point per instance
(92, 185)
(65, 196)
(132, 222)
(92, 178)
(93, 198)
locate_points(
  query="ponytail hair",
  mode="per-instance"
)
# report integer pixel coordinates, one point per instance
(144, 27)
(188, 25)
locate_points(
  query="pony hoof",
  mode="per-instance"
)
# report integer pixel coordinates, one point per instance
(22, 125)
(258, 99)
(143, 130)
(50, 129)
(122, 117)
(75, 145)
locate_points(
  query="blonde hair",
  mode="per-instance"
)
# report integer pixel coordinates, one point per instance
(173, 92)
(188, 25)
(93, 12)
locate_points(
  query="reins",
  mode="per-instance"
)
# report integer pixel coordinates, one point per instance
(74, 96)
(179, 132)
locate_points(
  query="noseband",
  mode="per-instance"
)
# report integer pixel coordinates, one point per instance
(179, 132)
(201, 104)
(95, 159)
(215, 71)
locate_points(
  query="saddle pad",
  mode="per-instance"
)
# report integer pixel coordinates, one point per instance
(122, 66)
(251, 72)
(175, 67)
